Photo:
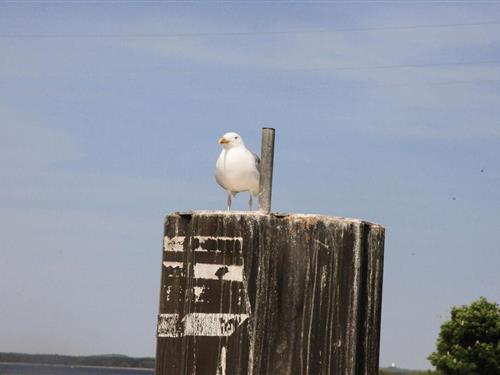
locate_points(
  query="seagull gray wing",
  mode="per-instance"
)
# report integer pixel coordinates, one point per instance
(257, 162)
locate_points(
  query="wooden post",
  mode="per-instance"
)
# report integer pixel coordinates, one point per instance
(250, 293)
(266, 169)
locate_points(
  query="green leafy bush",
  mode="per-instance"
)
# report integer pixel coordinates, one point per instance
(469, 343)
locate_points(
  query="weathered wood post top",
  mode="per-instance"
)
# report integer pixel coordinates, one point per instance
(269, 293)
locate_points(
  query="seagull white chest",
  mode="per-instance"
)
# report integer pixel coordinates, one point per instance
(236, 170)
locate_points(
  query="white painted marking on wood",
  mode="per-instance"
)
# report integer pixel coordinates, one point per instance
(198, 291)
(215, 238)
(168, 325)
(173, 243)
(223, 360)
(173, 264)
(203, 239)
(169, 264)
(216, 324)
(202, 324)
(210, 271)
(176, 243)
(221, 368)
(168, 291)
(199, 324)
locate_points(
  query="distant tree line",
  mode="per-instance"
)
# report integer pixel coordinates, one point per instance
(96, 360)
(468, 344)
(405, 372)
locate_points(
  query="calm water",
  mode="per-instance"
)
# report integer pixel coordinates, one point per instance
(25, 369)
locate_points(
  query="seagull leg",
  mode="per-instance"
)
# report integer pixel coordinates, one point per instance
(250, 201)
(229, 200)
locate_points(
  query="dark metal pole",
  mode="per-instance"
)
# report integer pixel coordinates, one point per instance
(266, 169)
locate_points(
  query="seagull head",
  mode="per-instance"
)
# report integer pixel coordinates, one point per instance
(230, 140)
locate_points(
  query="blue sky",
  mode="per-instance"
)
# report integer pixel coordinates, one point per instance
(385, 111)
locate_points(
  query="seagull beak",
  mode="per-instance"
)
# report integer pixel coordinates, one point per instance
(223, 141)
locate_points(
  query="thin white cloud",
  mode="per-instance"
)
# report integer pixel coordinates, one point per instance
(37, 168)
(27, 143)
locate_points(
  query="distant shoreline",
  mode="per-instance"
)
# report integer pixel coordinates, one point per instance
(93, 361)
(79, 366)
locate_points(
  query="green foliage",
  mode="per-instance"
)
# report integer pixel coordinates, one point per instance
(469, 343)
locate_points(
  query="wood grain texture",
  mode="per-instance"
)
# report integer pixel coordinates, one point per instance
(307, 301)
(266, 169)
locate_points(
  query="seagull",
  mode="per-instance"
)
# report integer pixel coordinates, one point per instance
(237, 168)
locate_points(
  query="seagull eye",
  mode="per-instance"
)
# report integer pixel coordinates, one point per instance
(235, 137)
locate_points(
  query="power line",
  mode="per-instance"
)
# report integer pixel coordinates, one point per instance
(282, 2)
(246, 33)
(375, 67)
(397, 66)
(408, 84)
